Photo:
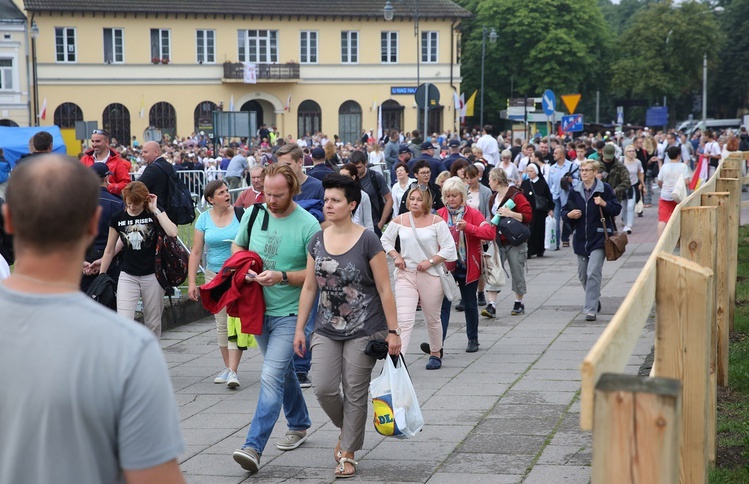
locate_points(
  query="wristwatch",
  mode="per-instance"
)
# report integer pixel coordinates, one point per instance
(431, 261)
(395, 331)
(284, 279)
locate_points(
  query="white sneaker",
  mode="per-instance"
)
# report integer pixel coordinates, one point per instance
(232, 381)
(221, 378)
(627, 229)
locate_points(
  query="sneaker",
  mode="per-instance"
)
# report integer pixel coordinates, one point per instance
(459, 307)
(518, 308)
(434, 363)
(627, 229)
(304, 380)
(223, 376)
(248, 458)
(292, 440)
(590, 317)
(489, 311)
(473, 346)
(424, 347)
(232, 381)
(482, 299)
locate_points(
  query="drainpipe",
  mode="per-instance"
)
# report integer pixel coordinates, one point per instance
(27, 37)
(452, 55)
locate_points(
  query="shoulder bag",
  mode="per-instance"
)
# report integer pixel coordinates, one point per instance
(449, 286)
(613, 245)
(494, 273)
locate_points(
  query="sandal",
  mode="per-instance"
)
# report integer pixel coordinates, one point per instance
(341, 468)
(338, 453)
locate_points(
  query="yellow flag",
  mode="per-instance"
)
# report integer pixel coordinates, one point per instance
(470, 103)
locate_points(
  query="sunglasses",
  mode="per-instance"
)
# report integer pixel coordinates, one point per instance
(423, 188)
(100, 131)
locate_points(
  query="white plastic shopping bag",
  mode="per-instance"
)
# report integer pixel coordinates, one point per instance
(550, 236)
(396, 407)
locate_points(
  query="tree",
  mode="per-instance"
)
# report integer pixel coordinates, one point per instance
(732, 79)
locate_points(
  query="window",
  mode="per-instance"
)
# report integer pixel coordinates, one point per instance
(160, 45)
(206, 46)
(349, 121)
(349, 47)
(389, 47)
(66, 114)
(308, 47)
(429, 46)
(6, 74)
(65, 44)
(163, 116)
(309, 117)
(116, 122)
(114, 46)
(258, 46)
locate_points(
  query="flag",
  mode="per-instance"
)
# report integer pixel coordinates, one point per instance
(43, 110)
(456, 102)
(379, 123)
(470, 103)
(700, 173)
(462, 105)
(288, 104)
(142, 112)
(250, 72)
(231, 104)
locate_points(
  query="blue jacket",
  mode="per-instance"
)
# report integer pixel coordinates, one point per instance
(588, 228)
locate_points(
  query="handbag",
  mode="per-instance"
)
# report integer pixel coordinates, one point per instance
(396, 406)
(613, 245)
(541, 202)
(679, 193)
(513, 231)
(494, 273)
(639, 206)
(449, 285)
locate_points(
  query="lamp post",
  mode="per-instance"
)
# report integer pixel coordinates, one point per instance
(34, 36)
(492, 39)
(388, 12)
(717, 9)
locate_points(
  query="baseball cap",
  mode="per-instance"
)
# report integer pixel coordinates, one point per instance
(609, 151)
(454, 143)
(403, 149)
(427, 145)
(101, 169)
(318, 153)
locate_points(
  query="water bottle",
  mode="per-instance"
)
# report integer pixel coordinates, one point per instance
(495, 219)
(509, 204)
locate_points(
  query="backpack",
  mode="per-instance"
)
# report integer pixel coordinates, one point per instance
(104, 291)
(180, 207)
(171, 259)
(6, 240)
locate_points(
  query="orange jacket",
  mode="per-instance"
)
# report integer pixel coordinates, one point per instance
(119, 168)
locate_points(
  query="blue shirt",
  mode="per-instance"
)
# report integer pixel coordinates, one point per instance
(217, 239)
(555, 175)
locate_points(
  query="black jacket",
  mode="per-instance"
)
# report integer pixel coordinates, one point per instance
(156, 178)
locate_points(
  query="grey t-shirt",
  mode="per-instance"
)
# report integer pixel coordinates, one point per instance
(84, 393)
(350, 305)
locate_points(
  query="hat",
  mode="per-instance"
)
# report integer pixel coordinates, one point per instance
(318, 154)
(403, 149)
(609, 152)
(427, 145)
(454, 143)
(101, 169)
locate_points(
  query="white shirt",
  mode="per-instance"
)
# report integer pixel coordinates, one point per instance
(490, 148)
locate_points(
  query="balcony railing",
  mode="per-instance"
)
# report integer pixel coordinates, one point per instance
(272, 72)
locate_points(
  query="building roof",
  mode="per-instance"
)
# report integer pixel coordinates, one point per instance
(304, 8)
(9, 11)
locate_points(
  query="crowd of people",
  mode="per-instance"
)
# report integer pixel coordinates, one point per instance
(308, 225)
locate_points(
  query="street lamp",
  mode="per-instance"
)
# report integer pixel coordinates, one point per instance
(388, 12)
(34, 36)
(717, 9)
(492, 39)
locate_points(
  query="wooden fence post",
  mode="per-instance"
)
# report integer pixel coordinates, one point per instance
(637, 429)
(732, 186)
(683, 311)
(696, 223)
(720, 200)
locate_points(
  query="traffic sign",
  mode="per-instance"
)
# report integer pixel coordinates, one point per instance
(549, 102)
(571, 100)
(433, 94)
(572, 123)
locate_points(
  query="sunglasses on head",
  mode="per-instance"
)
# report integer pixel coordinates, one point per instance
(100, 131)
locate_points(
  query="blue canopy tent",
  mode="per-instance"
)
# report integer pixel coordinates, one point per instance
(15, 141)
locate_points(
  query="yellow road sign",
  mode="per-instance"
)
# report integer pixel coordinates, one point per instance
(571, 100)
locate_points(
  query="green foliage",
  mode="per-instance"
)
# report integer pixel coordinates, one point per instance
(732, 82)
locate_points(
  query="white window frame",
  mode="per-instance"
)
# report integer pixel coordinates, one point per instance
(349, 55)
(162, 47)
(8, 74)
(62, 37)
(432, 47)
(388, 51)
(247, 39)
(312, 39)
(209, 51)
(114, 31)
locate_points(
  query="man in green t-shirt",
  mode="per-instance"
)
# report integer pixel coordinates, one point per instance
(280, 234)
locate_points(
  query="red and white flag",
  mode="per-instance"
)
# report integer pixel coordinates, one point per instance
(43, 110)
(288, 104)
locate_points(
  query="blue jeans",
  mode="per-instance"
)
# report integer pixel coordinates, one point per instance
(562, 227)
(468, 292)
(302, 364)
(278, 383)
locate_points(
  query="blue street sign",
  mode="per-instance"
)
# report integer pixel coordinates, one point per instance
(656, 116)
(572, 123)
(549, 102)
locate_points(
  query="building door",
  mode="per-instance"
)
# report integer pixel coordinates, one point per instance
(349, 122)
(203, 117)
(163, 116)
(116, 122)
(67, 114)
(254, 107)
(392, 116)
(309, 118)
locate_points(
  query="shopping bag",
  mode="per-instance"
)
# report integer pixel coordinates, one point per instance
(550, 233)
(493, 272)
(396, 407)
(639, 206)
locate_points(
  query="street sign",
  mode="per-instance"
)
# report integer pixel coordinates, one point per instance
(434, 95)
(549, 102)
(571, 100)
(572, 123)
(656, 116)
(620, 115)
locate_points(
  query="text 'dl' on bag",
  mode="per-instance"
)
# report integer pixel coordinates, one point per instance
(396, 407)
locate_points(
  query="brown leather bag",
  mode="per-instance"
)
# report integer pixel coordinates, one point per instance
(614, 245)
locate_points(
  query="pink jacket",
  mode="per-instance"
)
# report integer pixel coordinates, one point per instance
(477, 229)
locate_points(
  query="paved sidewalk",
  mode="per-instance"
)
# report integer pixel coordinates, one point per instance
(506, 414)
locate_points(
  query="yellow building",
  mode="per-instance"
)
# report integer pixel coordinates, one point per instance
(319, 65)
(15, 109)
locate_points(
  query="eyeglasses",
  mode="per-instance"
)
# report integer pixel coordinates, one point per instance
(424, 172)
(100, 131)
(423, 188)
(582, 170)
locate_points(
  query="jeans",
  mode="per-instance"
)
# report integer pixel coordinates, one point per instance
(468, 292)
(628, 212)
(278, 383)
(302, 363)
(589, 271)
(562, 227)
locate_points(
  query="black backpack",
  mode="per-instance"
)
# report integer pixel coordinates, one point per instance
(180, 207)
(6, 240)
(104, 291)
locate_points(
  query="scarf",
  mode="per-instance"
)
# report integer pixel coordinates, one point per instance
(457, 214)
